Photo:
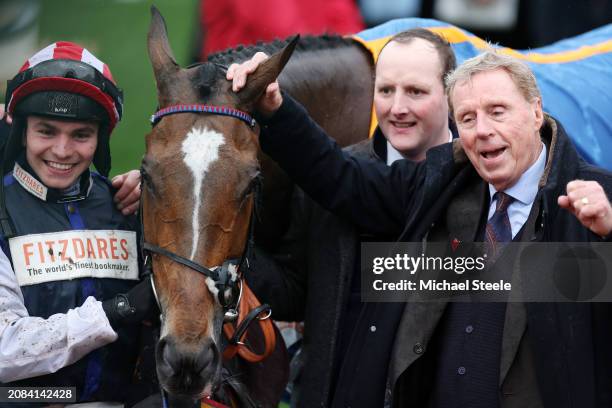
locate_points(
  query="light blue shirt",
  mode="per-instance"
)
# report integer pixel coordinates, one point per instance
(524, 192)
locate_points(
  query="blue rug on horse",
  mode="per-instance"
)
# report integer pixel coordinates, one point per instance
(574, 76)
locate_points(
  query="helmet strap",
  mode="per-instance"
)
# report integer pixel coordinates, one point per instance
(102, 157)
(6, 224)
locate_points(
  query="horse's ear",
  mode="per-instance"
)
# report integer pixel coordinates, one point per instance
(266, 73)
(160, 53)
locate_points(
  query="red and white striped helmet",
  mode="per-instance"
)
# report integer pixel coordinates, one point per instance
(63, 80)
(66, 68)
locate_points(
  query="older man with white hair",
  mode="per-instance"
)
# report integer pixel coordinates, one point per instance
(513, 176)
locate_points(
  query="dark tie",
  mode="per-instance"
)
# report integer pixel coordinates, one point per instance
(498, 230)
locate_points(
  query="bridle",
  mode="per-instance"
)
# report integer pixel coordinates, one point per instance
(226, 277)
(202, 108)
(241, 305)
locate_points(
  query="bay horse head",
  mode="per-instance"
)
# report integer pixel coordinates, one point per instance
(199, 173)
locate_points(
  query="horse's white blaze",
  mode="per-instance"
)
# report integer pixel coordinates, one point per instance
(201, 148)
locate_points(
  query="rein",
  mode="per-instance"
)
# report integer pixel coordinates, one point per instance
(249, 310)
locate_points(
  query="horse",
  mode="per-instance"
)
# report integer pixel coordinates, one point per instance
(200, 172)
(200, 175)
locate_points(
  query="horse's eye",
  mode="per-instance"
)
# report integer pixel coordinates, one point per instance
(252, 187)
(146, 180)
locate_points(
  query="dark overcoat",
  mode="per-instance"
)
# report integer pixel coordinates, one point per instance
(308, 278)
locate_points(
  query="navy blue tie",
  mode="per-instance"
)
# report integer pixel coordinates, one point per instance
(498, 230)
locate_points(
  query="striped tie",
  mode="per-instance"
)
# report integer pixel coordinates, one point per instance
(498, 230)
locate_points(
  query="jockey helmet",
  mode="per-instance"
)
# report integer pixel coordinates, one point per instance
(64, 81)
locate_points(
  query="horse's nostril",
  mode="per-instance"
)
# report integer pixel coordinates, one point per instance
(206, 358)
(171, 356)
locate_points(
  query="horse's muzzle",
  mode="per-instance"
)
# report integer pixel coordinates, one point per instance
(187, 373)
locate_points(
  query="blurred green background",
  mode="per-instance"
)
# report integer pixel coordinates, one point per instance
(115, 31)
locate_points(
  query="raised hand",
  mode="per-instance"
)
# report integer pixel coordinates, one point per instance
(588, 201)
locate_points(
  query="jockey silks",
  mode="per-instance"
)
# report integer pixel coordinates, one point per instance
(65, 252)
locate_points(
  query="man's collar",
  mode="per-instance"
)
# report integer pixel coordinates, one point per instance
(392, 154)
(30, 182)
(526, 188)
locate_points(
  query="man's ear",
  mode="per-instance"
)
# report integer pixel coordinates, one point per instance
(539, 114)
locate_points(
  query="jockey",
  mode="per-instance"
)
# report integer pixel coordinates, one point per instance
(72, 308)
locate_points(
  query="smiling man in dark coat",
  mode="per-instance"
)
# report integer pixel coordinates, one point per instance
(510, 152)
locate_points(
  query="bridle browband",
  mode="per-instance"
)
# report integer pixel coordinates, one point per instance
(200, 108)
(204, 108)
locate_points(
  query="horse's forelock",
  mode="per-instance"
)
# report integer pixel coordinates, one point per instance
(207, 78)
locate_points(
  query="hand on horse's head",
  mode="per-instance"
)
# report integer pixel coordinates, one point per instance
(271, 99)
(127, 196)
